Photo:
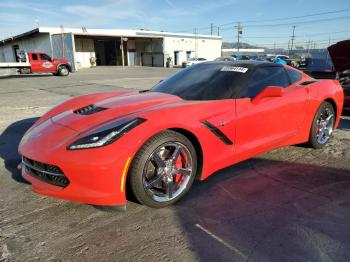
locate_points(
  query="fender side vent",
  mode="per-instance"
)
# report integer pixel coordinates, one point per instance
(89, 110)
(217, 132)
(308, 82)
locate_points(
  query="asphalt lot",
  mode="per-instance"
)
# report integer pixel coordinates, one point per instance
(291, 204)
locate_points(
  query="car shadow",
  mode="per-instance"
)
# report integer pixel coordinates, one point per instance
(268, 210)
(25, 76)
(9, 141)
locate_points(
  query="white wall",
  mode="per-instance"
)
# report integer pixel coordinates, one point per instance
(204, 47)
(84, 50)
(38, 43)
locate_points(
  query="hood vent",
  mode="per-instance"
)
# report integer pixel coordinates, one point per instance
(89, 110)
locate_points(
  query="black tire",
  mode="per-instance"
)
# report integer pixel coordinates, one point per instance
(324, 111)
(144, 159)
(63, 70)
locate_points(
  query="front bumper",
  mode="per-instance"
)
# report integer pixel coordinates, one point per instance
(95, 182)
(96, 176)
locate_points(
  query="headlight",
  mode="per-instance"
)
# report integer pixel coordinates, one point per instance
(106, 135)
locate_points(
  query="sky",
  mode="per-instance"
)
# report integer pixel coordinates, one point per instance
(266, 23)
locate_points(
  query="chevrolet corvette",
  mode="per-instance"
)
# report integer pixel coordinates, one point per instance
(93, 148)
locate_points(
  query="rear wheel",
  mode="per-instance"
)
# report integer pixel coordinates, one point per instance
(63, 70)
(322, 126)
(163, 170)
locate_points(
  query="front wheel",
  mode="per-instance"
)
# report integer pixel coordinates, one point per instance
(322, 125)
(63, 71)
(163, 170)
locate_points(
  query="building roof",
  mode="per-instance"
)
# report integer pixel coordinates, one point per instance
(107, 32)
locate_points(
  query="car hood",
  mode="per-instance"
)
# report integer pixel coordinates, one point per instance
(134, 104)
(340, 54)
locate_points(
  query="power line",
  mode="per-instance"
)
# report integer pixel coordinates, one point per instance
(301, 42)
(292, 17)
(306, 35)
(274, 19)
(295, 23)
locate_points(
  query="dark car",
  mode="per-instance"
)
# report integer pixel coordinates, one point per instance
(340, 54)
(320, 66)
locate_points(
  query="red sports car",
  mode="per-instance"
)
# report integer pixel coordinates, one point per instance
(156, 142)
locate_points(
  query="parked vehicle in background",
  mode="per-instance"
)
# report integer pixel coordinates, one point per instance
(193, 61)
(340, 55)
(39, 62)
(319, 66)
(240, 57)
(225, 58)
(280, 59)
(259, 58)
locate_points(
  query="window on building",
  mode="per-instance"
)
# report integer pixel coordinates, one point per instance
(188, 55)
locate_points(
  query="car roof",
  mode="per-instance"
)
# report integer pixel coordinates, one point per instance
(250, 64)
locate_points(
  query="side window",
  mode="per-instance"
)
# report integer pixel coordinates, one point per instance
(294, 75)
(266, 76)
(45, 57)
(34, 57)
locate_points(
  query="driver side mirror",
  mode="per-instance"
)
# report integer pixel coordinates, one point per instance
(269, 91)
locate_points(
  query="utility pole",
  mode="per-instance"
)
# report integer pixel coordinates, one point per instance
(62, 40)
(239, 32)
(308, 47)
(122, 49)
(211, 29)
(218, 30)
(274, 47)
(292, 39)
(196, 42)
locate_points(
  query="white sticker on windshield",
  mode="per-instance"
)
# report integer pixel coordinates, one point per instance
(234, 69)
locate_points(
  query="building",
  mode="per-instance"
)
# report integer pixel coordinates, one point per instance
(112, 46)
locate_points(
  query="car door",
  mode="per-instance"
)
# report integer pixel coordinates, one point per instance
(46, 64)
(297, 97)
(268, 123)
(34, 62)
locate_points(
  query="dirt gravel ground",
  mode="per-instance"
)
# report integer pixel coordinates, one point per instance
(291, 204)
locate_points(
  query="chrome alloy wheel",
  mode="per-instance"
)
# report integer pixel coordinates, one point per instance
(324, 126)
(64, 71)
(167, 171)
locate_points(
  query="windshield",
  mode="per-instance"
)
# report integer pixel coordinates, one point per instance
(205, 81)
